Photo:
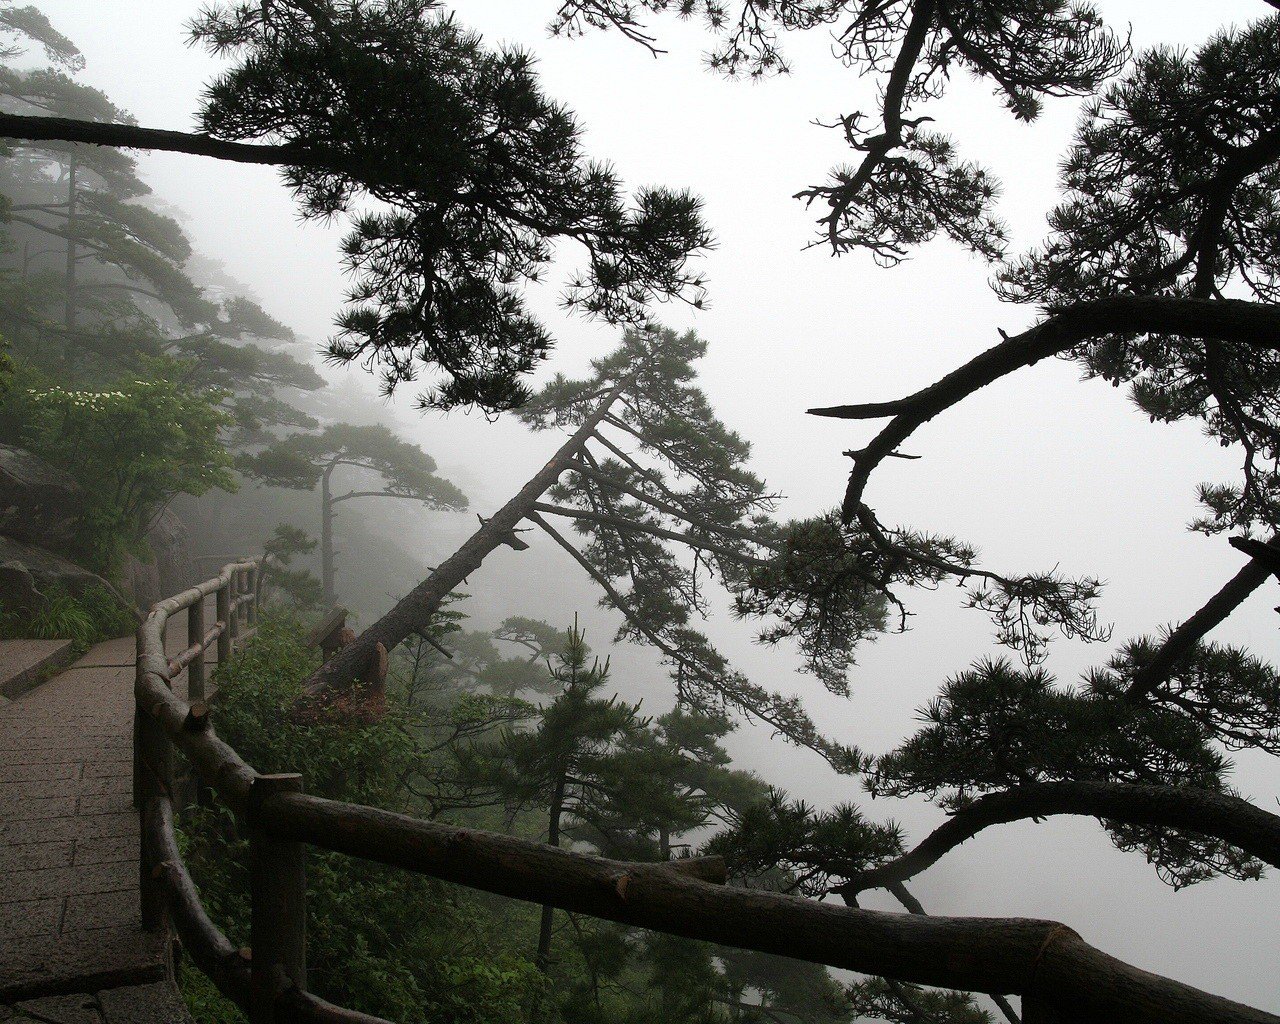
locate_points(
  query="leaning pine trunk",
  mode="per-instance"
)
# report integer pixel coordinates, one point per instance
(415, 609)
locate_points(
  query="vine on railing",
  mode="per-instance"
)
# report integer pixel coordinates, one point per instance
(1059, 975)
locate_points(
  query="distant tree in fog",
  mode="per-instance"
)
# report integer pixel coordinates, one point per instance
(304, 460)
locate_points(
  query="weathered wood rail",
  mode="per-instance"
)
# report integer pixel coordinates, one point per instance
(1058, 974)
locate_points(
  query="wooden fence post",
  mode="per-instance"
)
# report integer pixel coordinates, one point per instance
(195, 635)
(278, 892)
(224, 616)
(251, 609)
(237, 592)
(152, 781)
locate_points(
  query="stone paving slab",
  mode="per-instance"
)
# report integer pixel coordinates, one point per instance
(72, 950)
(156, 1003)
(24, 662)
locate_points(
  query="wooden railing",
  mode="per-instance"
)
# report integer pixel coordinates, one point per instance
(1059, 975)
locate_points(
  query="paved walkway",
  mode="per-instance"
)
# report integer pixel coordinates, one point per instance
(69, 919)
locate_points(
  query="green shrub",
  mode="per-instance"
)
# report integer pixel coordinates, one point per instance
(131, 447)
(95, 615)
(381, 940)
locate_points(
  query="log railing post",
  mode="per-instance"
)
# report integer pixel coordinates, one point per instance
(277, 887)
(242, 605)
(251, 608)
(152, 782)
(224, 616)
(195, 635)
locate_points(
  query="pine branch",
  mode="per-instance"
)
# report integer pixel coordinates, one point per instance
(1218, 815)
(1248, 323)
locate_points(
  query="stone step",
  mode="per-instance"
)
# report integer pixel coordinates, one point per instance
(26, 663)
(154, 1003)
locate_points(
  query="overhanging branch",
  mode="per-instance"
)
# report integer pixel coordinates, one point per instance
(1248, 323)
(127, 136)
(1180, 642)
(1218, 815)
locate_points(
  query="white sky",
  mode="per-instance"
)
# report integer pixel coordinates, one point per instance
(1038, 470)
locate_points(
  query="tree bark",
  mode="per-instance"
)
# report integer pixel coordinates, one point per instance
(416, 609)
(326, 538)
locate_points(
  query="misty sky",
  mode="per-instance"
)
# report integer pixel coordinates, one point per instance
(1039, 470)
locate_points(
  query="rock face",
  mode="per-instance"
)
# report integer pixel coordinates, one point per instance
(175, 568)
(39, 506)
(26, 572)
(170, 569)
(38, 503)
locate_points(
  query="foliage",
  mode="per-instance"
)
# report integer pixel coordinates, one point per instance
(131, 448)
(1232, 694)
(21, 25)
(102, 279)
(300, 588)
(910, 183)
(663, 497)
(474, 180)
(777, 843)
(994, 727)
(85, 618)
(385, 941)
(900, 1003)
(1171, 189)
(300, 460)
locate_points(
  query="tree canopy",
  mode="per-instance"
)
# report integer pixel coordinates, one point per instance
(474, 182)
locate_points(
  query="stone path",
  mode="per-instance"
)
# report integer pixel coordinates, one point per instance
(69, 919)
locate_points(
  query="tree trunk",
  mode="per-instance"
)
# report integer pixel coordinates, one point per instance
(548, 912)
(326, 538)
(71, 244)
(416, 608)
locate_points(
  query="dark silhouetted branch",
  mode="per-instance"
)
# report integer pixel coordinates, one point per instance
(1181, 641)
(1219, 815)
(1250, 323)
(127, 136)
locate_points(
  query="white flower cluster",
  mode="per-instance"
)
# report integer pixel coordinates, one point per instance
(96, 400)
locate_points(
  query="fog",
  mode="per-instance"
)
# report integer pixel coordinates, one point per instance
(1037, 471)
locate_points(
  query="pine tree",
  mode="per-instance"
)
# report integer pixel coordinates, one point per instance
(475, 182)
(303, 460)
(100, 277)
(563, 765)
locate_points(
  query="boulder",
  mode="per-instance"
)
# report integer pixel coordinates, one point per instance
(27, 571)
(175, 569)
(169, 570)
(38, 503)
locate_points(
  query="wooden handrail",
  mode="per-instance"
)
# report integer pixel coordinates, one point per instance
(1056, 972)
(181, 661)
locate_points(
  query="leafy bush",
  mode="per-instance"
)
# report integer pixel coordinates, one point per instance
(94, 616)
(132, 447)
(382, 940)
